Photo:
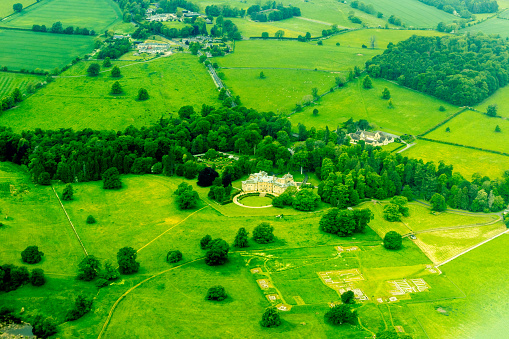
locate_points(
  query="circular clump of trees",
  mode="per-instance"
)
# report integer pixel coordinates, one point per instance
(32, 255)
(393, 240)
(217, 293)
(174, 256)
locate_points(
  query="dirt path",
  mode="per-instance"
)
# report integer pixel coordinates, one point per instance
(407, 147)
(70, 222)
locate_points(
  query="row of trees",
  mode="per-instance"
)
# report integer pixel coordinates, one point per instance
(464, 8)
(463, 70)
(275, 13)
(57, 28)
(225, 11)
(13, 277)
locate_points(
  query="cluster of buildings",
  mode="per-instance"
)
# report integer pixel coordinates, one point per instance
(153, 48)
(264, 183)
(151, 15)
(371, 138)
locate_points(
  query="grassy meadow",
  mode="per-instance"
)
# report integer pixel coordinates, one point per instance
(92, 14)
(465, 161)
(413, 112)
(295, 55)
(474, 129)
(491, 26)
(45, 51)
(82, 102)
(11, 81)
(292, 27)
(6, 6)
(499, 98)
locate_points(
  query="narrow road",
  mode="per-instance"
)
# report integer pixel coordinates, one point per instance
(407, 147)
(70, 222)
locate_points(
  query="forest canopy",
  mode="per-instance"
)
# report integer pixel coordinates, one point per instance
(463, 70)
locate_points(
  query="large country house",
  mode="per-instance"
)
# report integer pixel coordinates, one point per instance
(263, 183)
(372, 138)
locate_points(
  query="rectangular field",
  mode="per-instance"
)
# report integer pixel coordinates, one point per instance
(474, 129)
(413, 112)
(465, 161)
(92, 14)
(10, 81)
(491, 26)
(84, 102)
(30, 50)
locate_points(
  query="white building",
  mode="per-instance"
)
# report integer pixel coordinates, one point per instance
(153, 48)
(371, 138)
(263, 183)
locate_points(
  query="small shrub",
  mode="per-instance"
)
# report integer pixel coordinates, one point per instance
(217, 293)
(174, 256)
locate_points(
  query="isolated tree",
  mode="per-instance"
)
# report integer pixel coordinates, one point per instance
(372, 41)
(142, 94)
(188, 199)
(68, 193)
(31, 255)
(497, 129)
(393, 240)
(241, 238)
(348, 297)
(126, 258)
(492, 110)
(341, 314)
(367, 83)
(390, 104)
(265, 35)
(91, 220)
(43, 327)
(270, 318)
(205, 242)
(116, 88)
(81, 307)
(392, 213)
(174, 256)
(93, 69)
(17, 7)
(386, 94)
(37, 277)
(217, 293)
(438, 203)
(279, 34)
(263, 233)
(88, 268)
(441, 108)
(262, 76)
(448, 129)
(207, 176)
(115, 72)
(217, 253)
(111, 179)
(107, 62)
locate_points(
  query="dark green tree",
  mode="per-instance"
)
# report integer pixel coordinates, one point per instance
(492, 110)
(348, 297)
(116, 88)
(222, 94)
(241, 238)
(217, 293)
(68, 192)
(43, 327)
(32, 255)
(217, 253)
(127, 263)
(497, 129)
(438, 203)
(44, 179)
(37, 277)
(93, 69)
(263, 233)
(341, 314)
(17, 95)
(174, 256)
(207, 176)
(393, 240)
(107, 62)
(205, 242)
(392, 213)
(91, 220)
(17, 7)
(270, 318)
(142, 94)
(367, 83)
(109, 272)
(88, 268)
(81, 307)
(306, 200)
(115, 72)
(188, 199)
(386, 94)
(111, 179)
(262, 76)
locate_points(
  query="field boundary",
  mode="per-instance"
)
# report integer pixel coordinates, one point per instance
(443, 122)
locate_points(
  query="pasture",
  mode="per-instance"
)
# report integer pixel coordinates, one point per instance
(474, 129)
(279, 91)
(6, 6)
(491, 26)
(41, 50)
(292, 27)
(92, 14)
(82, 102)
(465, 161)
(499, 98)
(413, 112)
(11, 81)
(295, 55)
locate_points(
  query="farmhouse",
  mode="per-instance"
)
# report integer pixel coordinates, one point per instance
(162, 17)
(371, 138)
(261, 182)
(153, 48)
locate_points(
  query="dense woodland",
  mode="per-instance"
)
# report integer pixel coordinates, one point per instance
(463, 70)
(350, 173)
(464, 8)
(272, 12)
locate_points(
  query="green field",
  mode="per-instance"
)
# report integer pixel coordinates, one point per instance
(6, 6)
(412, 12)
(279, 91)
(499, 98)
(491, 26)
(292, 27)
(382, 37)
(41, 50)
(482, 314)
(413, 112)
(84, 102)
(465, 161)
(474, 129)
(256, 201)
(92, 14)
(11, 81)
(295, 55)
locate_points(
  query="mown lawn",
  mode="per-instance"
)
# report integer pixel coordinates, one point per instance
(84, 102)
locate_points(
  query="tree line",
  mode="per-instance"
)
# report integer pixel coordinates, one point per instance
(275, 12)
(462, 70)
(57, 28)
(464, 8)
